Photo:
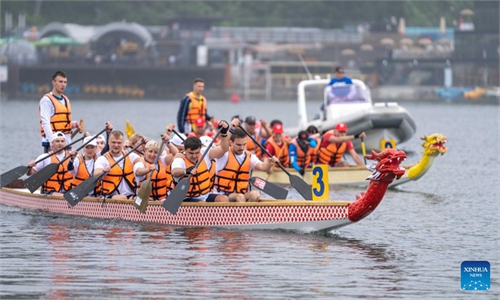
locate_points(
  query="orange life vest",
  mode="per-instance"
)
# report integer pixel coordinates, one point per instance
(83, 173)
(201, 182)
(332, 153)
(112, 180)
(280, 152)
(234, 177)
(197, 108)
(304, 159)
(252, 147)
(61, 120)
(158, 182)
(61, 180)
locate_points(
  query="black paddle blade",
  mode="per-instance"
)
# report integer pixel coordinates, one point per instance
(174, 200)
(141, 201)
(301, 186)
(39, 178)
(12, 175)
(269, 188)
(81, 191)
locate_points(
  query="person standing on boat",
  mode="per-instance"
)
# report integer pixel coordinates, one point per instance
(60, 182)
(334, 144)
(234, 169)
(192, 107)
(201, 187)
(277, 145)
(119, 182)
(302, 150)
(55, 112)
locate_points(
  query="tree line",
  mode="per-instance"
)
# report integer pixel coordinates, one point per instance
(321, 14)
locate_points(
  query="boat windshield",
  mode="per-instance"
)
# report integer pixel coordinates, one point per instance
(345, 94)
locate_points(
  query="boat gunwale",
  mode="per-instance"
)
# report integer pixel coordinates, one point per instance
(261, 203)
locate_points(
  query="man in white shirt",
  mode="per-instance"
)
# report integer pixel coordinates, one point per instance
(233, 169)
(55, 112)
(119, 182)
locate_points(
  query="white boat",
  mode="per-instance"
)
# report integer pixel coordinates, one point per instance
(386, 124)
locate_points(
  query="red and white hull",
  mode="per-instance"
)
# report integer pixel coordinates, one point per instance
(304, 216)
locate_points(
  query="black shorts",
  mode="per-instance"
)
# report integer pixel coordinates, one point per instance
(210, 198)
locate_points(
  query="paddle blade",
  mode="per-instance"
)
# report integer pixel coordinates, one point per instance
(269, 188)
(301, 186)
(39, 178)
(174, 200)
(142, 199)
(76, 194)
(12, 175)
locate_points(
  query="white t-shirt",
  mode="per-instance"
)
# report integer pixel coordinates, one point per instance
(221, 163)
(46, 112)
(42, 164)
(179, 163)
(123, 187)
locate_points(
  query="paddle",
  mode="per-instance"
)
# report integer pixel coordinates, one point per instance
(269, 188)
(178, 134)
(15, 173)
(79, 192)
(363, 149)
(174, 200)
(142, 199)
(39, 178)
(79, 130)
(298, 183)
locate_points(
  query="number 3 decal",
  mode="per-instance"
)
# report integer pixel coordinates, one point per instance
(320, 182)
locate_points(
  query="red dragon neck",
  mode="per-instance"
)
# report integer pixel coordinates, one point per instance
(368, 201)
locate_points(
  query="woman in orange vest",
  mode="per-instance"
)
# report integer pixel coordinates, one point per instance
(143, 168)
(82, 166)
(334, 144)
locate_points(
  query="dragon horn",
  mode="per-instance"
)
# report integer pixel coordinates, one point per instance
(423, 137)
(374, 155)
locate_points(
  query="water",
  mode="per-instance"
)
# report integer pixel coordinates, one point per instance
(410, 247)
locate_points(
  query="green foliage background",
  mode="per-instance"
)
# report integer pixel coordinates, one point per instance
(311, 13)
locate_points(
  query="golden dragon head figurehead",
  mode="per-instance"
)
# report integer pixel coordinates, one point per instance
(434, 144)
(387, 164)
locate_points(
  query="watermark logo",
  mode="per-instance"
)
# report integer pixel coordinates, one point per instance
(475, 275)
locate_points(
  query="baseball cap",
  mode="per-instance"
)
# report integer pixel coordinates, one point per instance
(303, 135)
(176, 140)
(250, 120)
(341, 127)
(206, 140)
(92, 142)
(278, 128)
(200, 122)
(100, 136)
(58, 135)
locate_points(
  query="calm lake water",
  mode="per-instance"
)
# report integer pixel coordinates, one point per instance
(410, 247)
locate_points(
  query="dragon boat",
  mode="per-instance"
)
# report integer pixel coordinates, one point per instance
(304, 216)
(434, 145)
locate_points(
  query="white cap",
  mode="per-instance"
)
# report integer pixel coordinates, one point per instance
(58, 135)
(92, 142)
(100, 136)
(205, 140)
(176, 140)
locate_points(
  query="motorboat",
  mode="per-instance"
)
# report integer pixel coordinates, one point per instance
(386, 124)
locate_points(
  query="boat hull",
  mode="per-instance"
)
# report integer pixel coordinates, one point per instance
(307, 216)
